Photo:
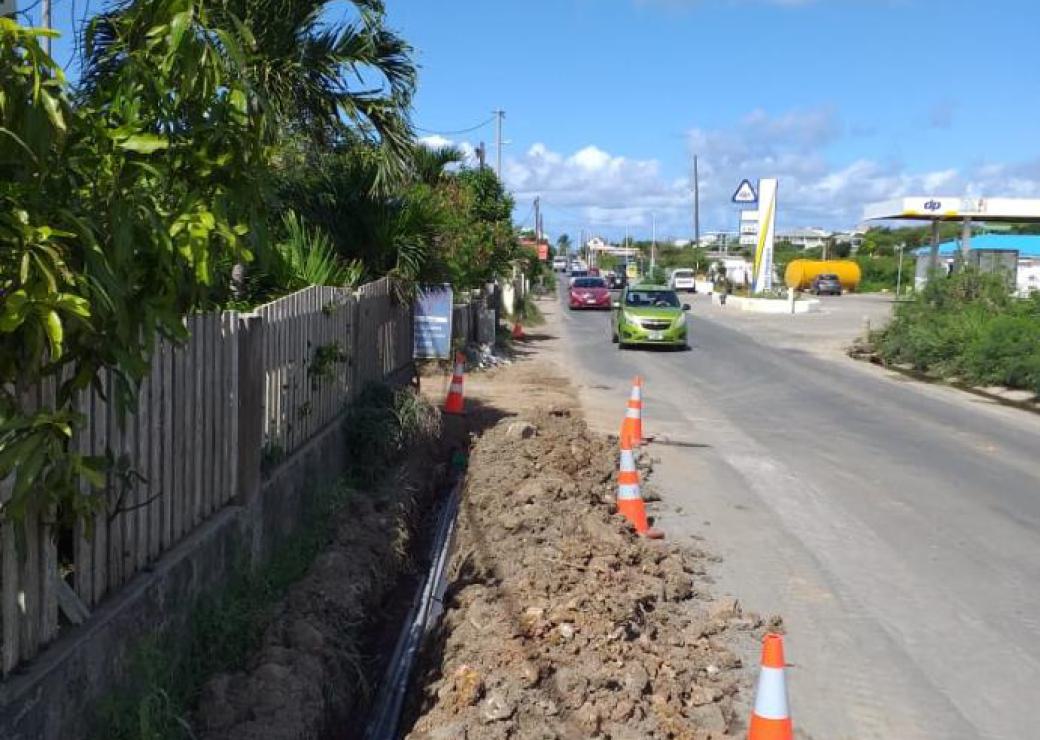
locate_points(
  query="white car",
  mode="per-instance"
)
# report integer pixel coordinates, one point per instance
(559, 263)
(683, 279)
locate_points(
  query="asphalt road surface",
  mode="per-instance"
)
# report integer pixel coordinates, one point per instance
(894, 525)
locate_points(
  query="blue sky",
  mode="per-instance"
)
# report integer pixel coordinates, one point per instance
(845, 101)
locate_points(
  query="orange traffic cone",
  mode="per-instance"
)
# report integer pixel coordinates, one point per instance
(629, 500)
(454, 403)
(771, 719)
(518, 330)
(632, 426)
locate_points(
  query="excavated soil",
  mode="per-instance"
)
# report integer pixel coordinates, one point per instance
(559, 621)
(313, 675)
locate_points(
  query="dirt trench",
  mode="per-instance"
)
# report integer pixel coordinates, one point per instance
(323, 649)
(559, 621)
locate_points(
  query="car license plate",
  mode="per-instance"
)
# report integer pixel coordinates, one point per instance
(656, 336)
(590, 300)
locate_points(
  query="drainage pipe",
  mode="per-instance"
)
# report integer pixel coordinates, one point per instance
(386, 716)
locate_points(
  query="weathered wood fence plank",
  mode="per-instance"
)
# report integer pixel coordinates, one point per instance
(178, 452)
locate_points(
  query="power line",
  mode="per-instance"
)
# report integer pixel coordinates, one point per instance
(452, 133)
(31, 8)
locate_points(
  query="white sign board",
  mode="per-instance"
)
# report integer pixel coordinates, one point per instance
(748, 240)
(767, 227)
(745, 193)
(749, 216)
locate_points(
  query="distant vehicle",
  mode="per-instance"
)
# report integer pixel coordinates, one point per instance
(589, 292)
(649, 315)
(577, 265)
(594, 272)
(826, 283)
(559, 263)
(616, 278)
(683, 279)
(576, 275)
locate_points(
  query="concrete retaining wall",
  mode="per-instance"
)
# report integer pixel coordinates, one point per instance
(53, 696)
(767, 305)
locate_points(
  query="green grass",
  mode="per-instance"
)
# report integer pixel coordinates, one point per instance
(381, 425)
(163, 680)
(529, 313)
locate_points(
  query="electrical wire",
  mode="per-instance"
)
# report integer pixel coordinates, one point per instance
(26, 11)
(455, 133)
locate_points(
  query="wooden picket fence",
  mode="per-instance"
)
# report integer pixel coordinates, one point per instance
(319, 347)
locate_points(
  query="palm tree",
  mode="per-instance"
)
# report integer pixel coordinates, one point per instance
(429, 165)
(308, 74)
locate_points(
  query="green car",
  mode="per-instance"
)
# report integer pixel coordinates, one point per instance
(649, 315)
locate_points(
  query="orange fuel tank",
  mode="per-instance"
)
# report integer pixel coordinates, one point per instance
(800, 273)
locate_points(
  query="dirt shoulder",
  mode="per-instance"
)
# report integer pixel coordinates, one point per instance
(559, 621)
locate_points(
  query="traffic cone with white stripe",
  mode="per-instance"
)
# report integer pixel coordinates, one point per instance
(632, 426)
(771, 719)
(629, 500)
(454, 403)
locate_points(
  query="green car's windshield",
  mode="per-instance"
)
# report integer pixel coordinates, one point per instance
(652, 299)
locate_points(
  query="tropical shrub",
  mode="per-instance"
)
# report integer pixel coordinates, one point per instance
(968, 327)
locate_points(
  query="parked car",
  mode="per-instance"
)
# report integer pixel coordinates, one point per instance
(826, 283)
(575, 275)
(683, 279)
(589, 292)
(649, 315)
(559, 263)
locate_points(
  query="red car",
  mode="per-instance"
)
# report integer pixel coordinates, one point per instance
(589, 292)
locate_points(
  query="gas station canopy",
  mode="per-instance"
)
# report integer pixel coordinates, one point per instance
(952, 208)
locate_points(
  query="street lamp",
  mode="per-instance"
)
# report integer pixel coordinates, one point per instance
(653, 242)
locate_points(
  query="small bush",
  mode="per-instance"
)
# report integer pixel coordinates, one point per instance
(881, 273)
(382, 424)
(970, 328)
(529, 312)
(1006, 352)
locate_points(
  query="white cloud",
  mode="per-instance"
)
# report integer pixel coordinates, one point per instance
(603, 190)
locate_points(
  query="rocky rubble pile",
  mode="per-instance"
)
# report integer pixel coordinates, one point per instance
(559, 621)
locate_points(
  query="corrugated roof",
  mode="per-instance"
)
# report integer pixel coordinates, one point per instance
(1027, 245)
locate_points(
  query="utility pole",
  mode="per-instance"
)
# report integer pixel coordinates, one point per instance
(47, 25)
(696, 204)
(499, 115)
(537, 218)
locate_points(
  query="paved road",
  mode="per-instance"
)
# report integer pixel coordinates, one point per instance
(896, 527)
